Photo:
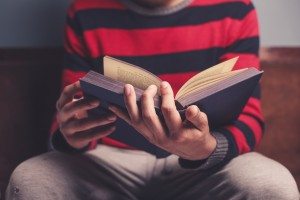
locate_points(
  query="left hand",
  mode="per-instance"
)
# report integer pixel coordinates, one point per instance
(189, 139)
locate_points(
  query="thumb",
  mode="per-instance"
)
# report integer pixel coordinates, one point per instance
(196, 117)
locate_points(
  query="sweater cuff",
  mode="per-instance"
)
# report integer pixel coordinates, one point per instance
(214, 159)
(58, 142)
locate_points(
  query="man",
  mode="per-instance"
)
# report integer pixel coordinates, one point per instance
(174, 39)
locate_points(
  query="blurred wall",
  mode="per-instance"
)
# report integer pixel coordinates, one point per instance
(279, 22)
(39, 23)
(32, 23)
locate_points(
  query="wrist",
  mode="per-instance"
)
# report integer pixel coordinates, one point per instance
(215, 158)
(206, 148)
(210, 146)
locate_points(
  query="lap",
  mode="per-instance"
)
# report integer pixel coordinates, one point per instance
(117, 174)
(249, 176)
(56, 175)
(254, 176)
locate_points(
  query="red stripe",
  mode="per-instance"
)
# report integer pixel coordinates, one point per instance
(115, 143)
(253, 107)
(93, 144)
(177, 80)
(249, 26)
(140, 42)
(253, 125)
(244, 61)
(69, 76)
(73, 44)
(242, 29)
(94, 4)
(240, 139)
(215, 2)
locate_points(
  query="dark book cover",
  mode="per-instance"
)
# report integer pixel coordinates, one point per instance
(222, 102)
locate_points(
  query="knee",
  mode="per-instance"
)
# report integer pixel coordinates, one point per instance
(24, 173)
(258, 177)
(22, 179)
(32, 170)
(32, 177)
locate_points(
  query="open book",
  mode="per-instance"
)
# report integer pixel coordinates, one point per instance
(218, 91)
(214, 90)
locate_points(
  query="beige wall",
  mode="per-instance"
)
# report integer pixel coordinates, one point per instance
(279, 22)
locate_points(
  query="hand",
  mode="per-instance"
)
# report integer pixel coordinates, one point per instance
(190, 139)
(77, 127)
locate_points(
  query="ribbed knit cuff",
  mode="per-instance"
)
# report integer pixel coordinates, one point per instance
(58, 142)
(215, 158)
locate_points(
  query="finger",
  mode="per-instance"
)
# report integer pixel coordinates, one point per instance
(67, 94)
(87, 123)
(82, 138)
(149, 115)
(81, 114)
(168, 108)
(73, 107)
(123, 115)
(196, 117)
(120, 113)
(130, 102)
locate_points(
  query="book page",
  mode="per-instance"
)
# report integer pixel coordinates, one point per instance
(223, 67)
(207, 82)
(127, 73)
(199, 82)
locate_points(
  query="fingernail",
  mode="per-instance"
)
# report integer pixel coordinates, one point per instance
(94, 103)
(164, 84)
(127, 89)
(153, 86)
(193, 111)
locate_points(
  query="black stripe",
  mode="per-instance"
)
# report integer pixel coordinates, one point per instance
(261, 123)
(247, 133)
(73, 24)
(197, 60)
(78, 63)
(247, 45)
(126, 19)
(232, 146)
(157, 64)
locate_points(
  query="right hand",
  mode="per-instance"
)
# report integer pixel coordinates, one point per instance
(77, 127)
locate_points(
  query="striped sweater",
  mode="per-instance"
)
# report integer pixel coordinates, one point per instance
(174, 43)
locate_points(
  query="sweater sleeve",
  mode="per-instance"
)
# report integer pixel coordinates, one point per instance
(76, 64)
(244, 134)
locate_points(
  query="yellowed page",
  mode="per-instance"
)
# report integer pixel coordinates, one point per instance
(223, 67)
(199, 82)
(127, 73)
(208, 82)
